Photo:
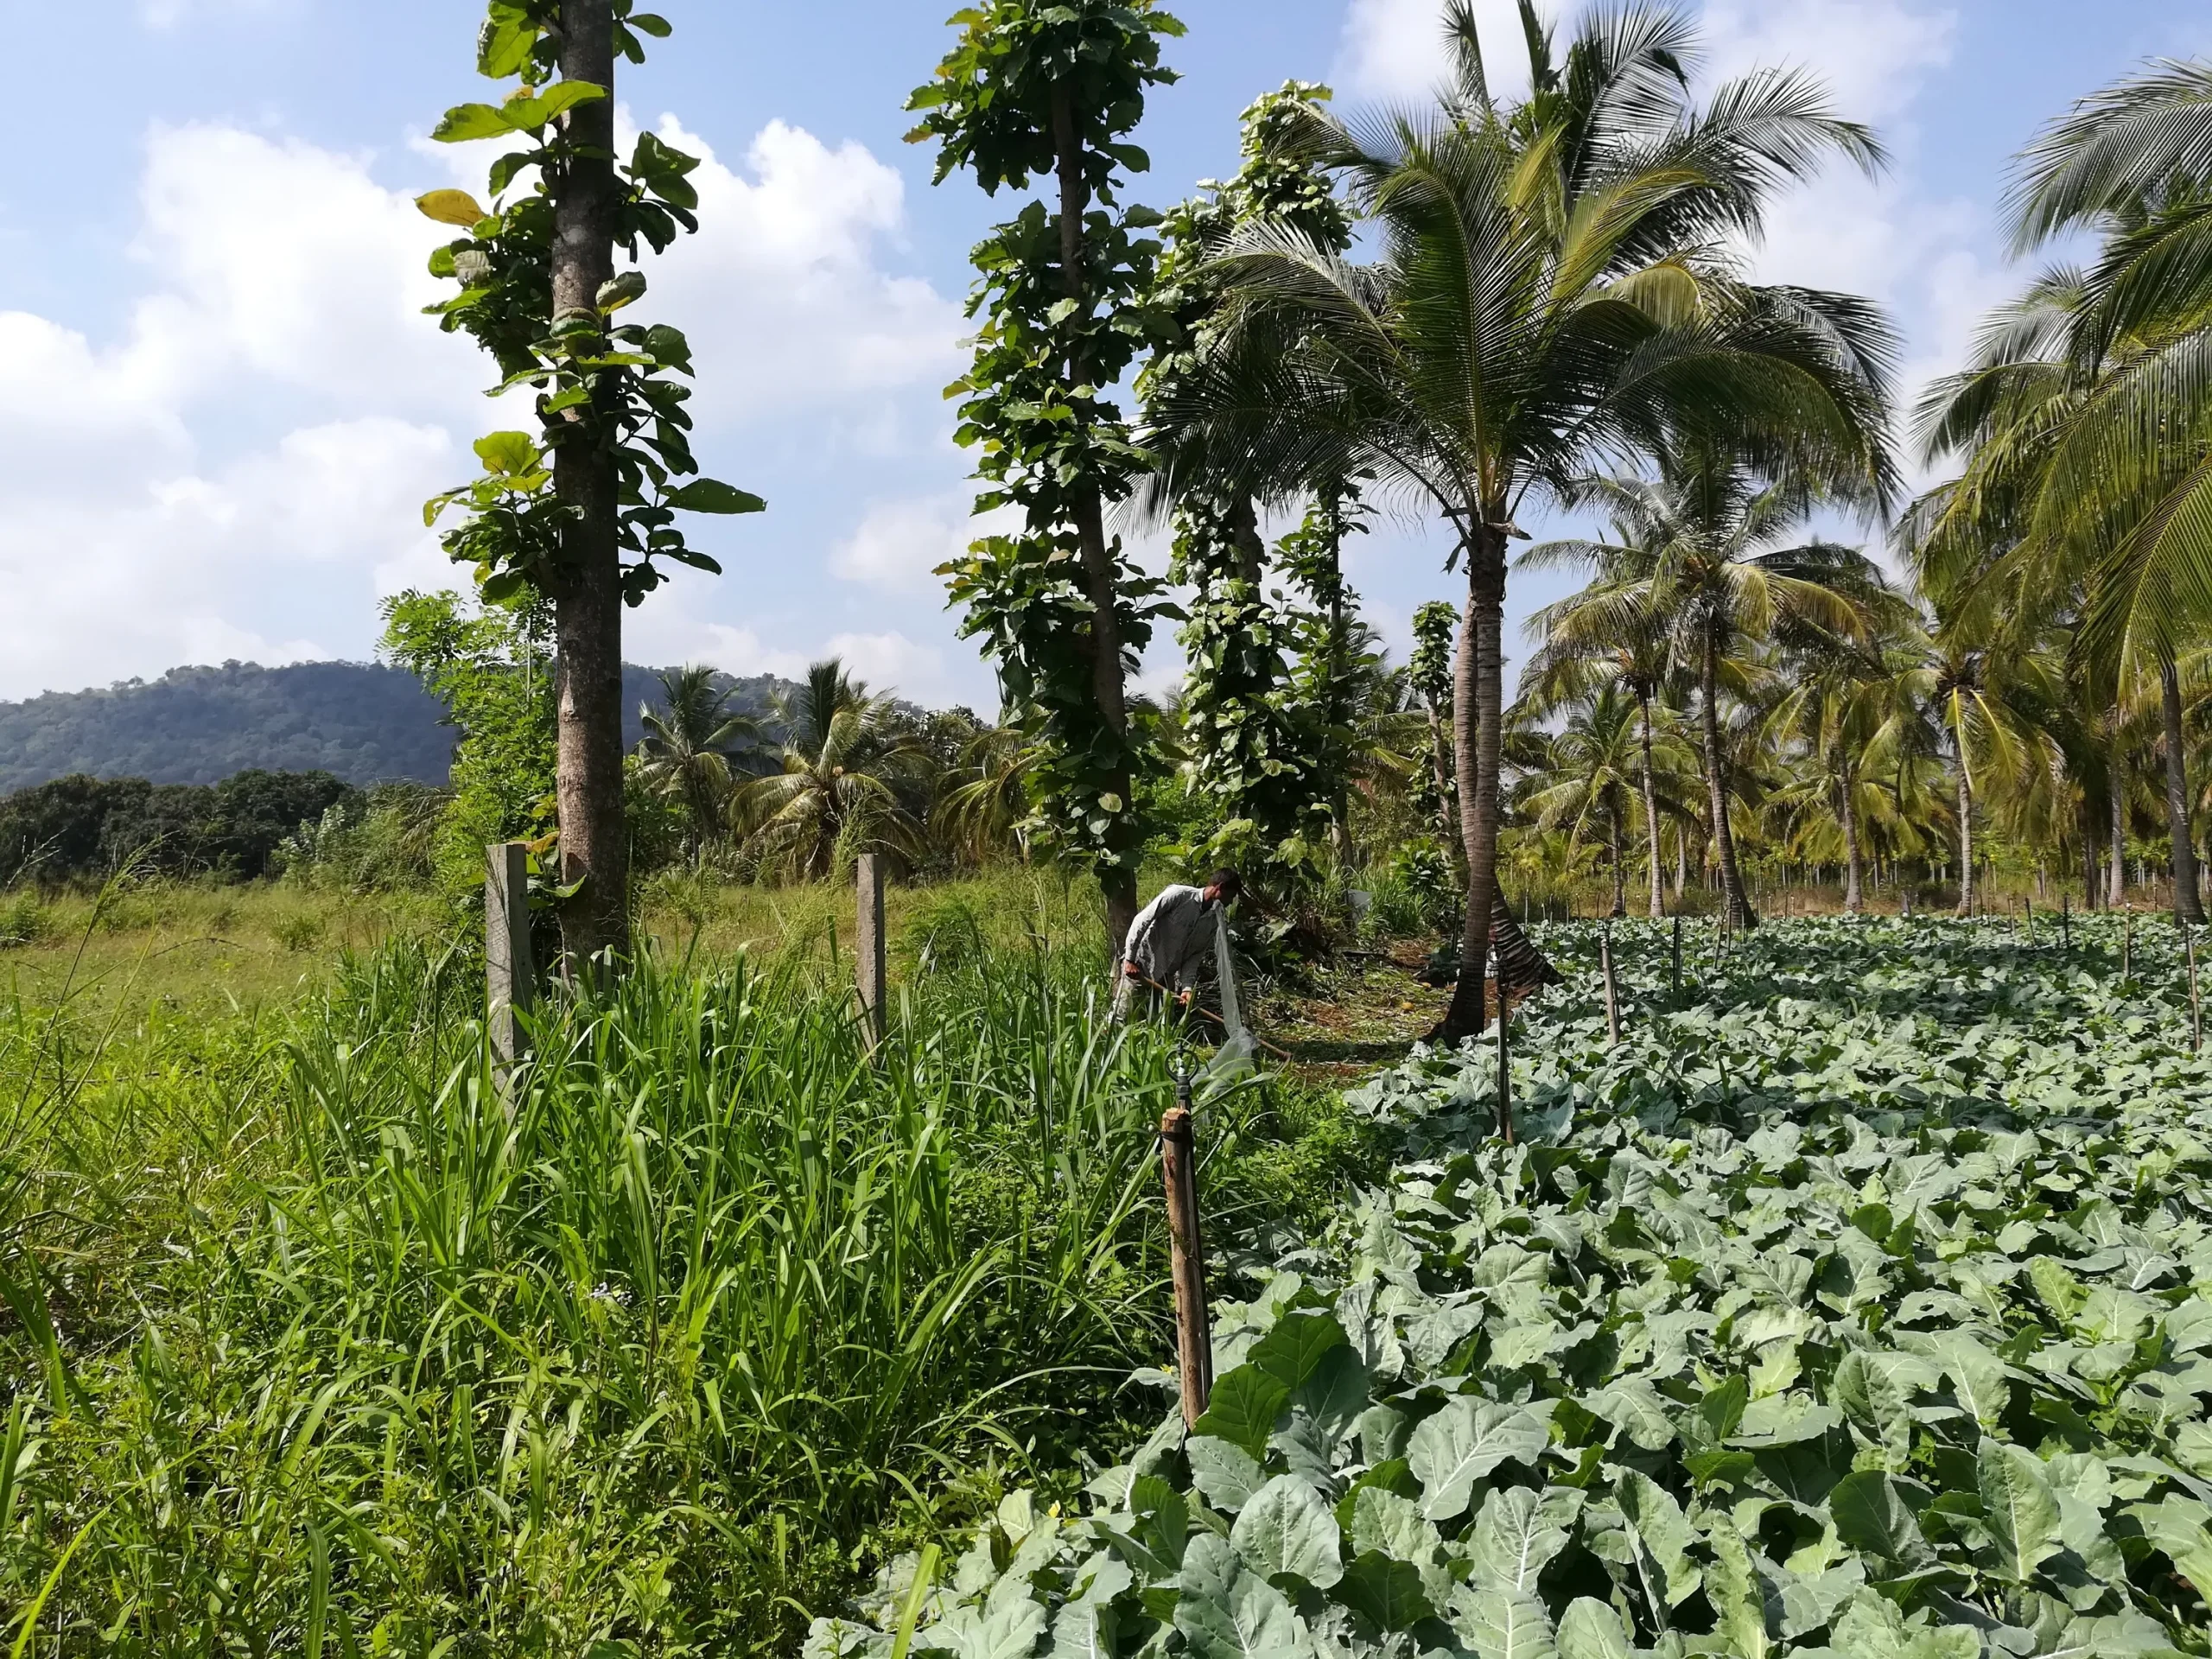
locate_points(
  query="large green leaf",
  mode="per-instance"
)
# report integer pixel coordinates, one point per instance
(1225, 1472)
(1591, 1629)
(2017, 1506)
(1226, 1613)
(1519, 1532)
(1872, 1516)
(1285, 1529)
(1388, 1590)
(1503, 1623)
(1297, 1344)
(1734, 1588)
(1461, 1444)
(1658, 1527)
(1242, 1408)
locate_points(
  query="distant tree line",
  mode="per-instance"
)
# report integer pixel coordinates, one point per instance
(78, 827)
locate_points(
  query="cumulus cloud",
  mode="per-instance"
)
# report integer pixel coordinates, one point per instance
(239, 471)
(1394, 50)
(890, 661)
(900, 545)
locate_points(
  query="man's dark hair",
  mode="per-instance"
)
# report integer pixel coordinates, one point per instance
(1228, 883)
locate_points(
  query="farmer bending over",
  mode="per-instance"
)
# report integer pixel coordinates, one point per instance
(1171, 937)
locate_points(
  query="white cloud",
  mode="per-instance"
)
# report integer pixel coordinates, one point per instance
(900, 545)
(780, 291)
(891, 661)
(1874, 54)
(1394, 50)
(240, 472)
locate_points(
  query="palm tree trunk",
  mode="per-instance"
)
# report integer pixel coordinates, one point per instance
(2188, 905)
(1681, 860)
(1965, 835)
(2089, 871)
(588, 608)
(1651, 806)
(1118, 881)
(1852, 902)
(1477, 720)
(1724, 838)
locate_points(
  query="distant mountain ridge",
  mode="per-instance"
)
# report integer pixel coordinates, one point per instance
(365, 723)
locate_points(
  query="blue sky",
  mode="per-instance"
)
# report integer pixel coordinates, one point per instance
(225, 410)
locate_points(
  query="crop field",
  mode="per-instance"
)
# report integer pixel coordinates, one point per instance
(1858, 1302)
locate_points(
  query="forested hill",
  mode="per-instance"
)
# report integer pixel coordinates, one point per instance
(364, 721)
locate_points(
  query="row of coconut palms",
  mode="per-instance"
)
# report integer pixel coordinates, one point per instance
(2051, 660)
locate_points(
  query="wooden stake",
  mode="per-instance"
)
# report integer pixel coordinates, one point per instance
(2065, 923)
(2196, 1008)
(1677, 971)
(1178, 1165)
(868, 948)
(1612, 994)
(1504, 1071)
(2128, 947)
(510, 973)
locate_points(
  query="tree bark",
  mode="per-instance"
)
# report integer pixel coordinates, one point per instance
(1965, 836)
(1650, 805)
(1738, 902)
(588, 608)
(2189, 906)
(1854, 902)
(1107, 679)
(1477, 720)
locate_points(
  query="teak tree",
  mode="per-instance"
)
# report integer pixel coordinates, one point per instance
(1267, 743)
(1051, 89)
(580, 510)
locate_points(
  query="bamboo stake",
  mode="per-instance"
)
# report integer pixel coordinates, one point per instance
(1178, 1167)
(1612, 994)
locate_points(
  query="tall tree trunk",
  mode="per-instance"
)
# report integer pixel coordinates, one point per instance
(1681, 860)
(1107, 679)
(1965, 834)
(1340, 801)
(1854, 902)
(1650, 805)
(588, 608)
(2189, 906)
(1477, 720)
(1740, 913)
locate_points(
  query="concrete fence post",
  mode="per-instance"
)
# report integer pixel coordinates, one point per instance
(510, 971)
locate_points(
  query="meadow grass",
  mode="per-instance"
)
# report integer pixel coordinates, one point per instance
(321, 1336)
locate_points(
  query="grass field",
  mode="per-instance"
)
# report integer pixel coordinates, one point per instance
(320, 1340)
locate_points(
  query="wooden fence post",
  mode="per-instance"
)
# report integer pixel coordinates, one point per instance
(2196, 1008)
(510, 974)
(1178, 1167)
(1504, 1068)
(1612, 994)
(868, 948)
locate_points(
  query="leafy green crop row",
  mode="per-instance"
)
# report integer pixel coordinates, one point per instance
(1860, 1302)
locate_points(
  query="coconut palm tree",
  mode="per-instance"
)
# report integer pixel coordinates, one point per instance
(1548, 293)
(1697, 565)
(692, 747)
(1594, 768)
(833, 783)
(1587, 641)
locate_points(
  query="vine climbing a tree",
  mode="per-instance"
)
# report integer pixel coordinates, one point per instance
(580, 510)
(1051, 89)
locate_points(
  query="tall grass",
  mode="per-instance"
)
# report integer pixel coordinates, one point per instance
(328, 1337)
